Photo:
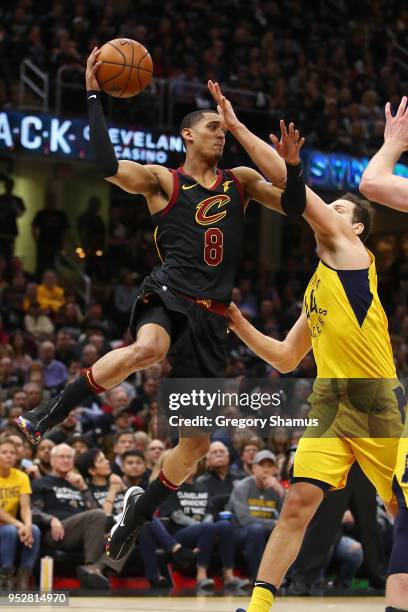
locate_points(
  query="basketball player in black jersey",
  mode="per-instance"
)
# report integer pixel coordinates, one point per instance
(198, 214)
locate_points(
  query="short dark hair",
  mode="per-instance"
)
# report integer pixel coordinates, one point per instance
(133, 453)
(363, 213)
(86, 461)
(119, 434)
(192, 118)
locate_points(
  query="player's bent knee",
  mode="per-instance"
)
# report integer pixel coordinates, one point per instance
(144, 355)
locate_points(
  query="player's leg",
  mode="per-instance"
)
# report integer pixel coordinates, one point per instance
(151, 345)
(139, 506)
(396, 596)
(301, 503)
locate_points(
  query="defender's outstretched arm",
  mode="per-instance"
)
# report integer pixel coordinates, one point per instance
(282, 355)
(378, 182)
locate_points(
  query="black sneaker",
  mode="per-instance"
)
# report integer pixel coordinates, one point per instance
(124, 533)
(35, 423)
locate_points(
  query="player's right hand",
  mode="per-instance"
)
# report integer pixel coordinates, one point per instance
(92, 66)
(224, 107)
(235, 317)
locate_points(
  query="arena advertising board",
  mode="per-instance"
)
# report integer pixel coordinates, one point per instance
(68, 139)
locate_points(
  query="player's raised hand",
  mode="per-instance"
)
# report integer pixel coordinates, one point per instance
(289, 145)
(92, 66)
(396, 128)
(224, 107)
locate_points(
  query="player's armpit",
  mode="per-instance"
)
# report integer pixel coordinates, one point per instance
(390, 190)
(257, 188)
(136, 178)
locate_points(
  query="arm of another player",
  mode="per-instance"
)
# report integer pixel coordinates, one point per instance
(262, 154)
(130, 176)
(282, 355)
(378, 182)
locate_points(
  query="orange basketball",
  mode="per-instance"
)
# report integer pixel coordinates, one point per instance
(126, 68)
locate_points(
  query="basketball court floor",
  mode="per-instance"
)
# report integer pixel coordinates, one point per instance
(221, 604)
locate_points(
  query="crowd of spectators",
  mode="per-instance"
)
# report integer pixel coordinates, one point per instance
(329, 66)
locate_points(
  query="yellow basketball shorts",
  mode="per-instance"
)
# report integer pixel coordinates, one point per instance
(328, 461)
(358, 420)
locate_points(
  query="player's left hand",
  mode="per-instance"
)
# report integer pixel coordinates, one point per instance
(289, 145)
(396, 128)
(229, 120)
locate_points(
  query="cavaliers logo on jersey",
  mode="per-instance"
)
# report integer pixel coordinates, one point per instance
(206, 211)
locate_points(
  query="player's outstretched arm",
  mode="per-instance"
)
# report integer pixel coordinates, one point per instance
(263, 155)
(282, 355)
(128, 175)
(378, 182)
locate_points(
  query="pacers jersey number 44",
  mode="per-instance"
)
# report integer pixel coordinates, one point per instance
(199, 236)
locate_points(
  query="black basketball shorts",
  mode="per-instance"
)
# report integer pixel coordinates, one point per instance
(198, 334)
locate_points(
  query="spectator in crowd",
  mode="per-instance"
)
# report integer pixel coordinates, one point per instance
(15, 533)
(219, 480)
(142, 441)
(49, 295)
(108, 489)
(22, 463)
(80, 444)
(123, 298)
(64, 432)
(11, 208)
(66, 349)
(38, 323)
(192, 523)
(154, 451)
(10, 376)
(248, 450)
(42, 457)
(49, 228)
(34, 393)
(21, 351)
(256, 502)
(55, 372)
(89, 355)
(122, 442)
(91, 228)
(69, 515)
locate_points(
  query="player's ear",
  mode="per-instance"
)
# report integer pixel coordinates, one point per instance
(187, 135)
(358, 228)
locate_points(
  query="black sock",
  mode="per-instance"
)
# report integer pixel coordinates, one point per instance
(71, 397)
(392, 609)
(156, 493)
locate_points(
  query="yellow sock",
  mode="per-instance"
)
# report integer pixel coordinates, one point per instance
(261, 600)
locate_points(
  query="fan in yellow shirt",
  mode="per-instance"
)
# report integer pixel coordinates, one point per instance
(15, 521)
(49, 295)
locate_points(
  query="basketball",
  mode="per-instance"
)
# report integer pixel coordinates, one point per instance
(126, 68)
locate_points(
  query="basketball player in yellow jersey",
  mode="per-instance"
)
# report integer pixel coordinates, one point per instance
(356, 395)
(381, 185)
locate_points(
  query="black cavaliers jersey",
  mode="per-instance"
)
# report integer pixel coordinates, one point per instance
(199, 236)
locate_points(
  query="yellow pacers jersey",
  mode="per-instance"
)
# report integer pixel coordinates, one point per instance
(348, 325)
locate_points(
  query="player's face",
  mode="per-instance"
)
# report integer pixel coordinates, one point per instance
(209, 136)
(346, 209)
